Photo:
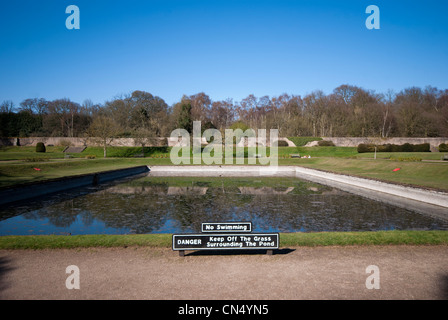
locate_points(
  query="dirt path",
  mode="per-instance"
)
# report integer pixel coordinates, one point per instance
(405, 272)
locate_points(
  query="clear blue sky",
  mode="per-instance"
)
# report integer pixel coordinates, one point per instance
(227, 49)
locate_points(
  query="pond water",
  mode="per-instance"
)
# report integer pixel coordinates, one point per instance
(180, 204)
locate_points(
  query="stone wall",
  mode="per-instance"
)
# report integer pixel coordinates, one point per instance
(355, 141)
(119, 142)
(129, 142)
(76, 142)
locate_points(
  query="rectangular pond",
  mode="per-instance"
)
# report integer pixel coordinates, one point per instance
(164, 204)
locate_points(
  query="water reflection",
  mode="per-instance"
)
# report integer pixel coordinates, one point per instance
(168, 205)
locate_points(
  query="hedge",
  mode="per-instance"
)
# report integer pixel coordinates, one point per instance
(40, 147)
(407, 147)
(325, 143)
(443, 147)
(282, 143)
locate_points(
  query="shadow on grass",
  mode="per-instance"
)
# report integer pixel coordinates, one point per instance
(238, 252)
(5, 266)
(444, 286)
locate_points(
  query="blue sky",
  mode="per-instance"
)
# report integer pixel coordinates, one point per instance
(227, 49)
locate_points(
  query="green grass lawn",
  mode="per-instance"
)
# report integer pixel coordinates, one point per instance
(397, 155)
(311, 239)
(322, 151)
(424, 174)
(23, 161)
(29, 153)
(24, 153)
(17, 165)
(20, 172)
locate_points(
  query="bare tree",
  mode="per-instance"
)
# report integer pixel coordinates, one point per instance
(65, 111)
(7, 106)
(222, 114)
(387, 115)
(34, 105)
(200, 107)
(103, 130)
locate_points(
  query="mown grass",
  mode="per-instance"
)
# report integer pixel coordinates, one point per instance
(395, 237)
(422, 174)
(334, 159)
(56, 152)
(286, 240)
(397, 155)
(344, 160)
(23, 172)
(83, 241)
(23, 153)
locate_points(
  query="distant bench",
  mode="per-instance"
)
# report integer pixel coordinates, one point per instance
(445, 157)
(139, 155)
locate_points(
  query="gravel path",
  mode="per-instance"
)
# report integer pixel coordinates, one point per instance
(405, 272)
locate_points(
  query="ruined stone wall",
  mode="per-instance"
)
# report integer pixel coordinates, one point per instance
(129, 142)
(76, 142)
(355, 141)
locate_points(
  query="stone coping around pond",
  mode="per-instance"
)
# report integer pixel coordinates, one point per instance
(437, 198)
(400, 195)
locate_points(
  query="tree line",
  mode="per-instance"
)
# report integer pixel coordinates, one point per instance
(347, 111)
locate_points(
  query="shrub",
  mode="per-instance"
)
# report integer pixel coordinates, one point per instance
(424, 147)
(326, 143)
(282, 143)
(362, 148)
(35, 159)
(386, 148)
(65, 143)
(411, 159)
(40, 147)
(394, 148)
(443, 147)
(128, 152)
(407, 147)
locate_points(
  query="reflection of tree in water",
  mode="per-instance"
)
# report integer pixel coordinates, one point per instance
(60, 215)
(147, 207)
(138, 212)
(190, 210)
(331, 212)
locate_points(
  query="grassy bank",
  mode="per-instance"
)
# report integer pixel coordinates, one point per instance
(421, 174)
(286, 240)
